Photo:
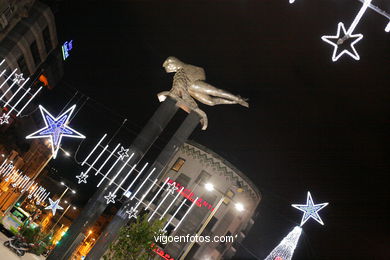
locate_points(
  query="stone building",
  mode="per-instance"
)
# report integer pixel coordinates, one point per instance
(192, 167)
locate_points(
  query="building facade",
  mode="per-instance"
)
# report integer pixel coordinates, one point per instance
(192, 167)
(28, 40)
(28, 43)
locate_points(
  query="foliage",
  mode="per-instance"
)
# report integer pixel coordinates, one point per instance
(30, 233)
(135, 240)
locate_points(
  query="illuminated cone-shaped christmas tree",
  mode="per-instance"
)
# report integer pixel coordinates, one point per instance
(285, 250)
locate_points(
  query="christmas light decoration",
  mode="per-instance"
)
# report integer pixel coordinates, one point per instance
(56, 128)
(123, 153)
(310, 210)
(12, 103)
(54, 206)
(132, 213)
(338, 41)
(285, 250)
(103, 161)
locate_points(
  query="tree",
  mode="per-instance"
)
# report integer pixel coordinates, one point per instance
(135, 240)
(285, 250)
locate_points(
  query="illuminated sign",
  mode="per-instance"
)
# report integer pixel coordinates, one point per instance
(66, 48)
(188, 194)
(161, 253)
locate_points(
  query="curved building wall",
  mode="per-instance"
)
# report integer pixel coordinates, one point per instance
(193, 166)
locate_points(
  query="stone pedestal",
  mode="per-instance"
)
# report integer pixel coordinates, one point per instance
(111, 232)
(97, 203)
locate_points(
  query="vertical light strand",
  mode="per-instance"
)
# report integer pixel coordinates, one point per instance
(147, 178)
(93, 150)
(185, 215)
(108, 158)
(159, 190)
(170, 205)
(28, 102)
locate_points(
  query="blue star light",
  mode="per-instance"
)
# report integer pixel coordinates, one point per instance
(54, 205)
(56, 128)
(310, 210)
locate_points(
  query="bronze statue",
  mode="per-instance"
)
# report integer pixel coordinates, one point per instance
(189, 84)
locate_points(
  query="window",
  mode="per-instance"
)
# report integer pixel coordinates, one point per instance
(223, 245)
(22, 65)
(183, 179)
(229, 195)
(193, 250)
(35, 53)
(211, 223)
(178, 164)
(47, 39)
(203, 178)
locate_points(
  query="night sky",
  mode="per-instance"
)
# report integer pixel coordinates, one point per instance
(312, 124)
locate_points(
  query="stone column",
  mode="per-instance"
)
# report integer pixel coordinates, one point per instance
(111, 232)
(97, 203)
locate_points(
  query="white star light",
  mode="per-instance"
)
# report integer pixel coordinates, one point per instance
(54, 205)
(18, 78)
(132, 213)
(337, 40)
(110, 198)
(172, 187)
(82, 178)
(123, 153)
(4, 119)
(56, 128)
(310, 210)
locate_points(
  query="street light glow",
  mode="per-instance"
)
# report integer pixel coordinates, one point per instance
(66, 201)
(62, 183)
(209, 186)
(73, 191)
(239, 207)
(74, 208)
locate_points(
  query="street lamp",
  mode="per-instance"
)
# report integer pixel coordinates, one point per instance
(210, 187)
(63, 214)
(239, 207)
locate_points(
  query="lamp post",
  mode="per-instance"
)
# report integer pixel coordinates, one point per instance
(210, 187)
(63, 214)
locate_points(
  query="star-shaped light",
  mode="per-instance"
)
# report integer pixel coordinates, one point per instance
(56, 128)
(337, 40)
(54, 205)
(18, 78)
(172, 187)
(132, 213)
(82, 178)
(310, 210)
(110, 198)
(4, 119)
(123, 153)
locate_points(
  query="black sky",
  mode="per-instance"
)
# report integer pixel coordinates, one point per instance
(312, 124)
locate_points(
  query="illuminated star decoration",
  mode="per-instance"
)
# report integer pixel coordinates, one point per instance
(171, 187)
(132, 213)
(4, 119)
(310, 210)
(56, 128)
(18, 78)
(110, 198)
(123, 153)
(54, 205)
(336, 41)
(82, 178)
